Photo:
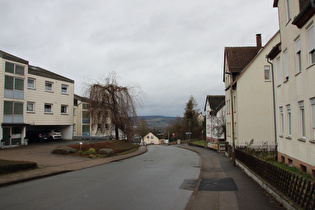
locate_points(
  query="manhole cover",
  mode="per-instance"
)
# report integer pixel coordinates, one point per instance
(189, 184)
(215, 184)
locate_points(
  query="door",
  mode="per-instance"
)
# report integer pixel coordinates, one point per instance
(7, 135)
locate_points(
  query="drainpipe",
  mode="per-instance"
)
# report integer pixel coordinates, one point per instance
(232, 115)
(274, 109)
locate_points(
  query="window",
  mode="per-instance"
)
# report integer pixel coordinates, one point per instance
(267, 73)
(289, 119)
(313, 116)
(19, 69)
(8, 83)
(298, 55)
(302, 119)
(30, 107)
(12, 108)
(64, 109)
(311, 44)
(30, 83)
(288, 8)
(9, 67)
(13, 83)
(279, 70)
(19, 84)
(14, 68)
(286, 65)
(48, 86)
(281, 121)
(85, 106)
(48, 108)
(64, 89)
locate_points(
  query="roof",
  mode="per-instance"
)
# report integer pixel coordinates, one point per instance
(35, 70)
(306, 12)
(12, 57)
(216, 102)
(274, 52)
(239, 57)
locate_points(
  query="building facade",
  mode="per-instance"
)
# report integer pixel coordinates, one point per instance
(82, 123)
(215, 118)
(32, 98)
(294, 66)
(248, 95)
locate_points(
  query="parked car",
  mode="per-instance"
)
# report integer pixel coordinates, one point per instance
(38, 135)
(55, 134)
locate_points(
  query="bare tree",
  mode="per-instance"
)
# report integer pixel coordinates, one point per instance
(111, 103)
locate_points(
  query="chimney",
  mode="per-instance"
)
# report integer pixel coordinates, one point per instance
(258, 41)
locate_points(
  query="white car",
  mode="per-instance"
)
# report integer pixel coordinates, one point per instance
(55, 134)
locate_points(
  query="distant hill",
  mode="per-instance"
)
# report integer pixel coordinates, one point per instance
(157, 122)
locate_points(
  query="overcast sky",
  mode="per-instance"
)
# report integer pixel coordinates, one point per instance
(170, 48)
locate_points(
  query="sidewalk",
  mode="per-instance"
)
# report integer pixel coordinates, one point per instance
(51, 164)
(224, 186)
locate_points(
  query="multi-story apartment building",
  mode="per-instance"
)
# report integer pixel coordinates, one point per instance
(248, 95)
(293, 61)
(49, 101)
(215, 118)
(13, 71)
(32, 98)
(82, 122)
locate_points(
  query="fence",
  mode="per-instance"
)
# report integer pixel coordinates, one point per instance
(297, 189)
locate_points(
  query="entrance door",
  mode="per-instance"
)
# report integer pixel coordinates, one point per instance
(7, 135)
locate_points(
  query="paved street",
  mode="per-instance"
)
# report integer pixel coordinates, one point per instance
(149, 181)
(220, 185)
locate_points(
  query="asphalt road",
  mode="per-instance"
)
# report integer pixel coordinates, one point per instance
(149, 181)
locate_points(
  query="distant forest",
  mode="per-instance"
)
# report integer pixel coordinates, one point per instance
(157, 122)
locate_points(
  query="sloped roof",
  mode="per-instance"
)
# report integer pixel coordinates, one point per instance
(216, 102)
(45, 73)
(239, 57)
(8, 56)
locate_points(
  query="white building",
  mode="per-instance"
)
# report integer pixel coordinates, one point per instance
(32, 98)
(293, 60)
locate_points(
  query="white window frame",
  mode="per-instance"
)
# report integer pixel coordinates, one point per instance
(311, 44)
(47, 88)
(298, 55)
(281, 121)
(313, 116)
(64, 89)
(267, 73)
(46, 110)
(289, 119)
(30, 85)
(302, 119)
(64, 109)
(30, 107)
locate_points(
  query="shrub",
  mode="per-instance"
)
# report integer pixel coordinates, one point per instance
(91, 151)
(7, 166)
(64, 150)
(107, 151)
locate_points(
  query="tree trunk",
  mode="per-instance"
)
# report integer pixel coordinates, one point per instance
(116, 132)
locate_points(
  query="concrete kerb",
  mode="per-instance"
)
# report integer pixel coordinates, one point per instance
(28, 175)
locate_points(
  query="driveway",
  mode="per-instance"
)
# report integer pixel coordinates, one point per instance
(41, 153)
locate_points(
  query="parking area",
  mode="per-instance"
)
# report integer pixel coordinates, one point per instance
(40, 152)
